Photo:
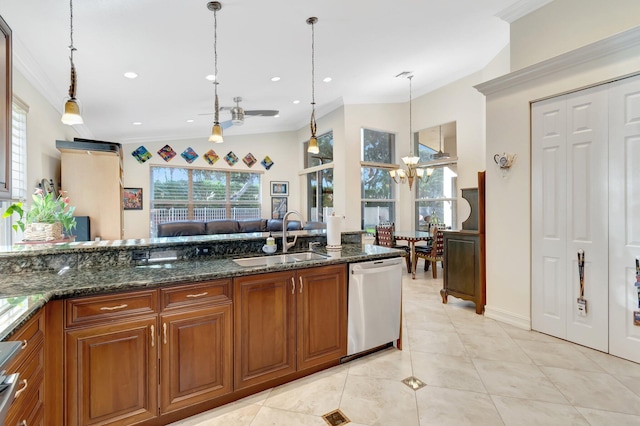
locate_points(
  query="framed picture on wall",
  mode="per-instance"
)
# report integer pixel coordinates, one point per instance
(132, 198)
(279, 188)
(278, 207)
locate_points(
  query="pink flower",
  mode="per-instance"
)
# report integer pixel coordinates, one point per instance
(65, 200)
(39, 191)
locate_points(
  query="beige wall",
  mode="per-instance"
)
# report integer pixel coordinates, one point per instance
(564, 25)
(508, 239)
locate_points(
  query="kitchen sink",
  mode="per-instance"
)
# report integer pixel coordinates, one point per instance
(279, 259)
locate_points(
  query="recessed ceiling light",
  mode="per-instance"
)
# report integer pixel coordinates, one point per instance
(137, 123)
(190, 121)
(326, 79)
(211, 77)
(275, 78)
(130, 74)
(296, 102)
(276, 116)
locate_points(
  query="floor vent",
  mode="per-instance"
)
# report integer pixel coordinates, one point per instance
(335, 418)
(414, 383)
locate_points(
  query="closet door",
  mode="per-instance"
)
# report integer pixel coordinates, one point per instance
(587, 215)
(624, 212)
(549, 211)
(569, 213)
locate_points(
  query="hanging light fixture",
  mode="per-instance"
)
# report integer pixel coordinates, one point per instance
(411, 161)
(313, 140)
(440, 155)
(216, 130)
(71, 113)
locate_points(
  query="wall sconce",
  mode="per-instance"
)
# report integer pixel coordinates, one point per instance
(504, 160)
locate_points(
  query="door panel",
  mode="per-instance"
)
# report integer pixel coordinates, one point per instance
(548, 233)
(624, 209)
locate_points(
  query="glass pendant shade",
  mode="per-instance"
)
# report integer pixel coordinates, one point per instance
(216, 133)
(71, 114)
(410, 160)
(313, 146)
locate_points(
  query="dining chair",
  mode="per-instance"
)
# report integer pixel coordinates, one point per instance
(384, 237)
(434, 254)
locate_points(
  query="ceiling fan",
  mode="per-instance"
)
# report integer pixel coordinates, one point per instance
(238, 114)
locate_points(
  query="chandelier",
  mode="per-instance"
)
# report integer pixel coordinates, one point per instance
(313, 140)
(411, 172)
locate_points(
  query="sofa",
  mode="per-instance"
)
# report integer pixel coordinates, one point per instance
(230, 226)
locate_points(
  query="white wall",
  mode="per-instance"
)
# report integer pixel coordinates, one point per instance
(508, 235)
(564, 25)
(43, 128)
(282, 148)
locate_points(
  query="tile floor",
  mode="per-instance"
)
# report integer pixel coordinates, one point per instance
(477, 372)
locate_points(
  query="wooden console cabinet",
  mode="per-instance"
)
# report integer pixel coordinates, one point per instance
(464, 253)
(288, 321)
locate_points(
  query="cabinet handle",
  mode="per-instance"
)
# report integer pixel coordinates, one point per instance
(19, 391)
(153, 336)
(23, 423)
(301, 284)
(204, 293)
(164, 332)
(293, 286)
(113, 308)
(24, 344)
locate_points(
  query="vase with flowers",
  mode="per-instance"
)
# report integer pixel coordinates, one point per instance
(46, 219)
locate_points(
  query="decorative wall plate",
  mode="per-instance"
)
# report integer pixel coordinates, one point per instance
(189, 155)
(167, 153)
(231, 158)
(249, 159)
(266, 162)
(211, 157)
(141, 154)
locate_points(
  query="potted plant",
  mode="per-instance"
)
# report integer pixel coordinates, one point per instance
(47, 218)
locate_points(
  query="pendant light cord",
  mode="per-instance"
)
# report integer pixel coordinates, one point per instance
(312, 123)
(215, 64)
(72, 86)
(410, 115)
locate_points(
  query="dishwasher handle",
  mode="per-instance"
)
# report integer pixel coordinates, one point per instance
(375, 270)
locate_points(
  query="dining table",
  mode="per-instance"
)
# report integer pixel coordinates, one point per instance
(412, 237)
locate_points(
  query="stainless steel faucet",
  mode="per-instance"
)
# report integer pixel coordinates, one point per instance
(286, 244)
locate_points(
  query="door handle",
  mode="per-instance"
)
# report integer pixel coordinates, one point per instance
(113, 308)
(153, 336)
(164, 332)
(293, 286)
(301, 284)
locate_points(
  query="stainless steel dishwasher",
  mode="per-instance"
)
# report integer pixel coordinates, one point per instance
(374, 304)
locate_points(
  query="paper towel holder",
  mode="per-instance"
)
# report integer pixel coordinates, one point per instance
(331, 232)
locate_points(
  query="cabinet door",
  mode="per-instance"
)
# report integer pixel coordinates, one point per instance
(322, 315)
(265, 325)
(195, 356)
(112, 373)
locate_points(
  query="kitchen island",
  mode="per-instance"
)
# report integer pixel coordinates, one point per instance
(151, 331)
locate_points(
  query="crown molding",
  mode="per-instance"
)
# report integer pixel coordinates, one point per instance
(520, 9)
(618, 42)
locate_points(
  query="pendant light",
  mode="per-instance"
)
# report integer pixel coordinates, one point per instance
(216, 130)
(71, 114)
(411, 161)
(313, 140)
(440, 155)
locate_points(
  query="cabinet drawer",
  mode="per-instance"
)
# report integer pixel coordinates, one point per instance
(28, 405)
(30, 367)
(31, 334)
(205, 293)
(96, 309)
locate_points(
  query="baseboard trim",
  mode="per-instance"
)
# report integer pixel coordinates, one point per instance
(507, 317)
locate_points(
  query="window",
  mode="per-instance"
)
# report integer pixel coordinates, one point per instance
(377, 187)
(319, 171)
(18, 167)
(198, 194)
(436, 198)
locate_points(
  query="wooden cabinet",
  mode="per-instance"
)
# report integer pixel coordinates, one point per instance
(462, 267)
(28, 405)
(288, 321)
(131, 357)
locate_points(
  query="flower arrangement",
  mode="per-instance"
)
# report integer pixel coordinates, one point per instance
(46, 208)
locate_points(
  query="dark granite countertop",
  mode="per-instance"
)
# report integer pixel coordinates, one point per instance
(23, 294)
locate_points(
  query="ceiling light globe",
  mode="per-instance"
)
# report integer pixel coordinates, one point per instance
(313, 146)
(216, 134)
(71, 114)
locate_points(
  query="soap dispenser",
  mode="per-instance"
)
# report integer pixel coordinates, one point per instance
(270, 240)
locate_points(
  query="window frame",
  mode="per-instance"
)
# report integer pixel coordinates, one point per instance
(314, 172)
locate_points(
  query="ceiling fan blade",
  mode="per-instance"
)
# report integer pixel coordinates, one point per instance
(226, 124)
(262, 112)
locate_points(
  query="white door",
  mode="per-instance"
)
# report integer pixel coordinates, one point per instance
(569, 213)
(624, 211)
(587, 215)
(549, 211)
